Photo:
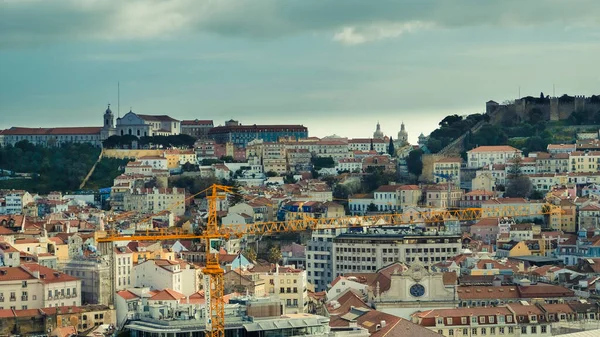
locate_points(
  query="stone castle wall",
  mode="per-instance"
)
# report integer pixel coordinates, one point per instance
(125, 154)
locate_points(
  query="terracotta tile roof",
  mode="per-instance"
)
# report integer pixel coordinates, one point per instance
(66, 331)
(54, 131)
(557, 308)
(48, 275)
(126, 294)
(450, 278)
(545, 290)
(7, 248)
(27, 313)
(403, 328)
(496, 148)
(486, 222)
(6, 313)
(463, 312)
(349, 299)
(387, 188)
(486, 292)
(167, 295)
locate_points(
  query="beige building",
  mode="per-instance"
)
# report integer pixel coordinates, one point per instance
(485, 155)
(552, 163)
(409, 196)
(290, 285)
(154, 200)
(439, 196)
(32, 286)
(580, 161)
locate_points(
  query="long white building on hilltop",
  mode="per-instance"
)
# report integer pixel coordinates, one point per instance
(130, 124)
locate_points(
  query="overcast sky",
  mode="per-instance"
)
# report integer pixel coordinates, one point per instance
(335, 66)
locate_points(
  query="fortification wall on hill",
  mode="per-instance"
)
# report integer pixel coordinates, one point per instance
(125, 154)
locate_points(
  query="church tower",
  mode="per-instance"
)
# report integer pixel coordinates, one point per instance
(378, 134)
(108, 129)
(402, 134)
(109, 119)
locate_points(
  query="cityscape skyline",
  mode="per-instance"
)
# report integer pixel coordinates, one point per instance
(336, 72)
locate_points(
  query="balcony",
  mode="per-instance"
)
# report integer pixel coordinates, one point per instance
(24, 298)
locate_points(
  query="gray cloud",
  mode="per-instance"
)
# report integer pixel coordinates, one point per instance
(25, 22)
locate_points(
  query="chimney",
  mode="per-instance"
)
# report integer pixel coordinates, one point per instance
(383, 324)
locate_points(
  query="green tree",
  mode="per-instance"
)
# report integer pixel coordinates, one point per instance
(519, 187)
(414, 162)
(391, 148)
(536, 195)
(322, 162)
(250, 254)
(274, 255)
(372, 208)
(271, 174)
(289, 179)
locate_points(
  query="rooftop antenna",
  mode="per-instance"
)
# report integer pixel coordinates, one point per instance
(119, 99)
(519, 92)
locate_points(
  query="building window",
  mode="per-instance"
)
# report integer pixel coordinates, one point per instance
(544, 329)
(474, 332)
(524, 330)
(534, 329)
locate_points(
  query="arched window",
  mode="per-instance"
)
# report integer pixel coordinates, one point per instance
(138, 133)
(130, 131)
(121, 132)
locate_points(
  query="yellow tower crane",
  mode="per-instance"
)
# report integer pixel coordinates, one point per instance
(214, 274)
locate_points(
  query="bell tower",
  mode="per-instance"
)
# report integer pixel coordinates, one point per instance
(108, 129)
(109, 118)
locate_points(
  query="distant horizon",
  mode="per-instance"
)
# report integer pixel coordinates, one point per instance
(338, 69)
(413, 123)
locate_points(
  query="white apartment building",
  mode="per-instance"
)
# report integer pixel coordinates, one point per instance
(375, 248)
(336, 148)
(387, 198)
(123, 267)
(290, 285)
(341, 284)
(15, 200)
(167, 274)
(319, 257)
(154, 200)
(364, 144)
(485, 155)
(348, 164)
(447, 167)
(158, 274)
(32, 286)
(156, 162)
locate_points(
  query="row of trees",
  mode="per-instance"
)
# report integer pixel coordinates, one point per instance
(61, 168)
(451, 127)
